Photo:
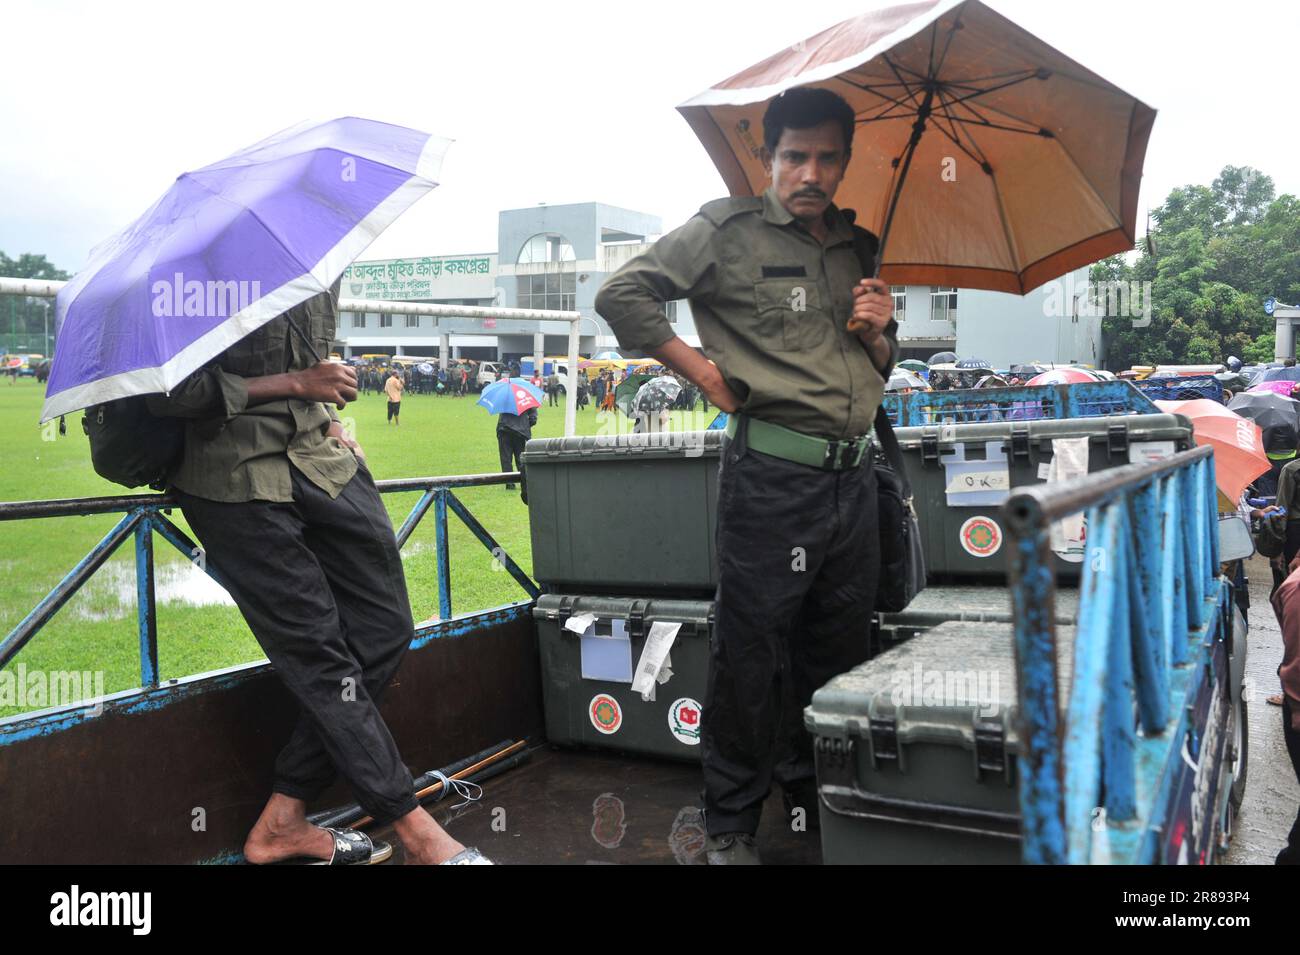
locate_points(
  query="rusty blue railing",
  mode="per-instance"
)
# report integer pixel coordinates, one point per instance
(965, 406)
(1148, 605)
(146, 514)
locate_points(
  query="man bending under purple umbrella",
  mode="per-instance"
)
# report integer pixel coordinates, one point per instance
(287, 511)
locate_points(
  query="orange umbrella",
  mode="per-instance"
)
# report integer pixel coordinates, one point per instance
(1238, 444)
(1027, 164)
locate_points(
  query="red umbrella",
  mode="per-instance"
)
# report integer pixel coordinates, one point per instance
(1043, 157)
(1061, 376)
(1238, 445)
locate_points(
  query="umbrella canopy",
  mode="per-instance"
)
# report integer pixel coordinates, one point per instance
(943, 358)
(625, 393)
(1049, 155)
(1061, 376)
(656, 394)
(904, 380)
(1238, 446)
(1277, 417)
(1028, 368)
(914, 365)
(974, 363)
(510, 395)
(1283, 388)
(228, 248)
(607, 355)
(1278, 374)
(424, 368)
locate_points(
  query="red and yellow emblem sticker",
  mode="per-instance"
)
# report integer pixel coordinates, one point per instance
(605, 713)
(980, 537)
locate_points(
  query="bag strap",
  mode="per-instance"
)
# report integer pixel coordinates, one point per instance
(893, 453)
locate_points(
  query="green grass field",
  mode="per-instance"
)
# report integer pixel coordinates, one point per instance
(97, 629)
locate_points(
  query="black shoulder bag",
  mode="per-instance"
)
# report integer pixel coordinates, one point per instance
(902, 564)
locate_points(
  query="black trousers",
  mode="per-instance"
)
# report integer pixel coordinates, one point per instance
(394, 409)
(798, 561)
(320, 582)
(1291, 854)
(510, 445)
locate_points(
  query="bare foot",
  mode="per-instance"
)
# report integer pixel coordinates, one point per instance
(424, 841)
(283, 832)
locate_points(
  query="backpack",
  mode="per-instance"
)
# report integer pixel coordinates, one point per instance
(129, 445)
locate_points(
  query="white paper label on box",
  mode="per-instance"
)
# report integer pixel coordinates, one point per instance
(1140, 452)
(580, 622)
(654, 657)
(1044, 470)
(974, 482)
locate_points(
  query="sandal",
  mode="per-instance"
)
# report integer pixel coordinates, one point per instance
(351, 847)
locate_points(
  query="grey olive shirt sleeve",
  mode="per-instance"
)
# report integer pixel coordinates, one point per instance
(682, 264)
(210, 392)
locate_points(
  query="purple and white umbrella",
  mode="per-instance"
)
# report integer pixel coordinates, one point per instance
(228, 248)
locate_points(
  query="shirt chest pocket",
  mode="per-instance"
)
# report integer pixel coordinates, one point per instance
(789, 314)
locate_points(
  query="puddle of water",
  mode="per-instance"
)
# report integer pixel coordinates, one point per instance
(110, 594)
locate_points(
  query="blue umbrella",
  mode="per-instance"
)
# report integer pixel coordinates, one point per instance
(973, 363)
(510, 396)
(227, 249)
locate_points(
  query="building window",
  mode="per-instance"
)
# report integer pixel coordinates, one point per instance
(385, 321)
(412, 321)
(943, 304)
(553, 291)
(546, 247)
(899, 294)
(670, 309)
(358, 319)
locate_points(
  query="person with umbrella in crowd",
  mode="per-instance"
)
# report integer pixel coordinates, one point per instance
(809, 386)
(515, 402)
(651, 404)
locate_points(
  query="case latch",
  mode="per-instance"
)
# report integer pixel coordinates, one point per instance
(1117, 439)
(1020, 442)
(929, 447)
(990, 746)
(884, 739)
(636, 618)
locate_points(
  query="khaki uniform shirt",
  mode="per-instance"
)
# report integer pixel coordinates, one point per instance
(238, 452)
(771, 305)
(393, 388)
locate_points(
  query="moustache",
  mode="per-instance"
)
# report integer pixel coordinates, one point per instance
(810, 194)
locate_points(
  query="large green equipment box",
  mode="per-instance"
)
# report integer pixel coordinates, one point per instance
(629, 513)
(916, 750)
(961, 474)
(588, 668)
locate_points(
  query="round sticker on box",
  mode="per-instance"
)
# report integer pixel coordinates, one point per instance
(605, 713)
(684, 720)
(980, 537)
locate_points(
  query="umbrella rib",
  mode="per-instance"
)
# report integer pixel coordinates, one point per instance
(979, 160)
(956, 130)
(911, 91)
(873, 90)
(1035, 127)
(952, 32)
(1000, 86)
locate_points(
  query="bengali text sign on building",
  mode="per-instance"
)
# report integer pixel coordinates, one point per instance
(403, 279)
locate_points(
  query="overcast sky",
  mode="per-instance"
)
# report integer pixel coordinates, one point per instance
(105, 103)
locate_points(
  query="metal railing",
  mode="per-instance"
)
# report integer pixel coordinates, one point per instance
(968, 406)
(145, 514)
(1147, 601)
(1181, 388)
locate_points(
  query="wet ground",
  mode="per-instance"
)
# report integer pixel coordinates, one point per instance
(1272, 793)
(595, 808)
(590, 808)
